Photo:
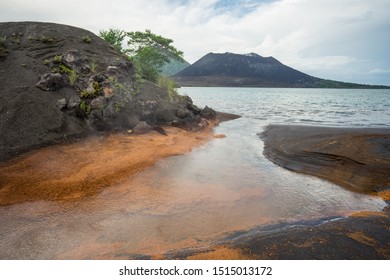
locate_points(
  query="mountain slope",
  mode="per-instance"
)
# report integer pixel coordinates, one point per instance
(250, 70)
(173, 66)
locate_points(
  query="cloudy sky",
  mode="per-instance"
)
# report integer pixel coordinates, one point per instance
(347, 40)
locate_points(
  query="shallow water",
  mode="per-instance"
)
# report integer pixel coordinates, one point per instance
(191, 200)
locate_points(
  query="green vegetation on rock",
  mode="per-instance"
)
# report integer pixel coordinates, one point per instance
(148, 51)
(169, 85)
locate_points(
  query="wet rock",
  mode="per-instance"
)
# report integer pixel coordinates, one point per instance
(50, 81)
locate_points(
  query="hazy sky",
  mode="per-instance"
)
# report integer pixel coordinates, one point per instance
(347, 40)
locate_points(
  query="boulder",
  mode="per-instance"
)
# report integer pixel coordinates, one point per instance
(193, 108)
(51, 81)
(208, 113)
(73, 59)
(74, 102)
(98, 102)
(61, 103)
(141, 128)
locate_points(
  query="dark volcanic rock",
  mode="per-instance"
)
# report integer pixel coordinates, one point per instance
(208, 113)
(50, 81)
(55, 86)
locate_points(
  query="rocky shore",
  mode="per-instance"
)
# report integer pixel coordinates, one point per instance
(70, 94)
(60, 83)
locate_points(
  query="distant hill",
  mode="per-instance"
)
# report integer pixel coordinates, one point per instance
(173, 67)
(251, 70)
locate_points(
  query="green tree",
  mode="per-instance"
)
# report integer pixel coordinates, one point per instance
(115, 37)
(151, 52)
(148, 51)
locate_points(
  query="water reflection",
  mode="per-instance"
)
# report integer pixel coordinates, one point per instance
(184, 201)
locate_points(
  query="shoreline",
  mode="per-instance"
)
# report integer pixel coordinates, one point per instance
(80, 169)
(361, 236)
(355, 158)
(95, 163)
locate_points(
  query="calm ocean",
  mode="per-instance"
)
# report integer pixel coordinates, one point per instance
(325, 107)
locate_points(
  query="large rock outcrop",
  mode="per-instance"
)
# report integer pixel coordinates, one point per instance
(59, 82)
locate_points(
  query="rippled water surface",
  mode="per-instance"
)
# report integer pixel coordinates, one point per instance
(195, 199)
(335, 107)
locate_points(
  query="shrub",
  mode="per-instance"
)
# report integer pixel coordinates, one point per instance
(169, 85)
(87, 39)
(57, 58)
(72, 77)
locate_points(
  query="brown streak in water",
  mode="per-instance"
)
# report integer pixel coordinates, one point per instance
(77, 170)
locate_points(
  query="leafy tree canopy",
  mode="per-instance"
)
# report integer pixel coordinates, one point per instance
(147, 50)
(115, 37)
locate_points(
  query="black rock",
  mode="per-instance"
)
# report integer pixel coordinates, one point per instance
(51, 81)
(208, 113)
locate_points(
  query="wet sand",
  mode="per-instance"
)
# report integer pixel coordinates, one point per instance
(68, 172)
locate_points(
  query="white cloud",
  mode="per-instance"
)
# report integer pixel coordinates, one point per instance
(330, 38)
(379, 71)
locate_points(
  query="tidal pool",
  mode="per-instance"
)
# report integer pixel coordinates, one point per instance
(185, 201)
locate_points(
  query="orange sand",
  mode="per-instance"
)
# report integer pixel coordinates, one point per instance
(220, 253)
(73, 171)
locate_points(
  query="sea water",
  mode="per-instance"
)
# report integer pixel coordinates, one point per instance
(221, 188)
(327, 107)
